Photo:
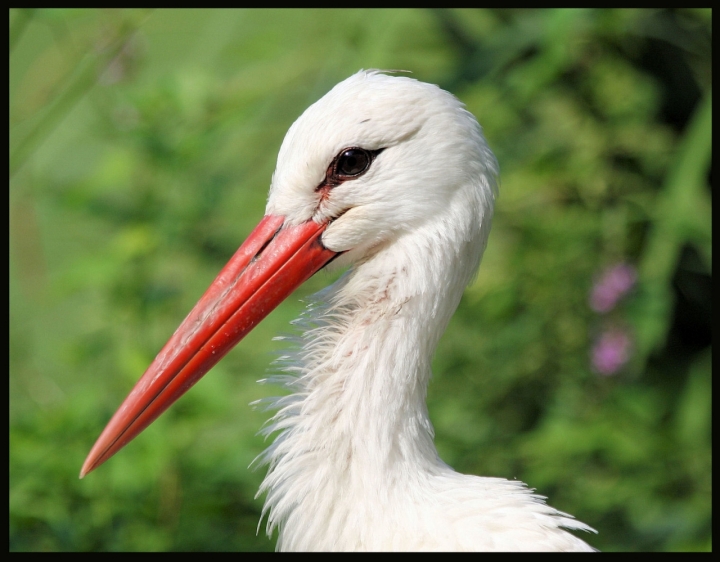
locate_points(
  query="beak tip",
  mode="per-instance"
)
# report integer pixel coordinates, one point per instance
(86, 469)
(267, 267)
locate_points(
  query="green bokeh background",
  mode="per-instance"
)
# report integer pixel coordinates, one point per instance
(141, 148)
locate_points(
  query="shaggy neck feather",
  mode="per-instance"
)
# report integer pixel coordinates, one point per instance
(356, 421)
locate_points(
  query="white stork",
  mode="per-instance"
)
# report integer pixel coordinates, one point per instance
(392, 177)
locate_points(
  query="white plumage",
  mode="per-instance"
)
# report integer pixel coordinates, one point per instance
(354, 466)
(393, 177)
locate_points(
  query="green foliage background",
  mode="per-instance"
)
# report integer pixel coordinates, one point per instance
(142, 146)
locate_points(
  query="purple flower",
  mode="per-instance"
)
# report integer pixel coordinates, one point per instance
(611, 351)
(614, 283)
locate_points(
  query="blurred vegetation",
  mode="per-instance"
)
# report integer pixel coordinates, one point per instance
(141, 148)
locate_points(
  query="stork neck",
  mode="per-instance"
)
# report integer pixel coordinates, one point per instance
(366, 355)
(356, 421)
(377, 372)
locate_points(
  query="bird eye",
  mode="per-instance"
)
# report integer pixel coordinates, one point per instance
(349, 164)
(352, 162)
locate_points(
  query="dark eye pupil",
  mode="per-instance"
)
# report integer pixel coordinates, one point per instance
(353, 161)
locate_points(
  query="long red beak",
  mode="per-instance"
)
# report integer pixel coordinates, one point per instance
(269, 266)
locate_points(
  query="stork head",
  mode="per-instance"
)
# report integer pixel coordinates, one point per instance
(377, 158)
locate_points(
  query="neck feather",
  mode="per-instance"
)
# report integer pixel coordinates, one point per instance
(356, 417)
